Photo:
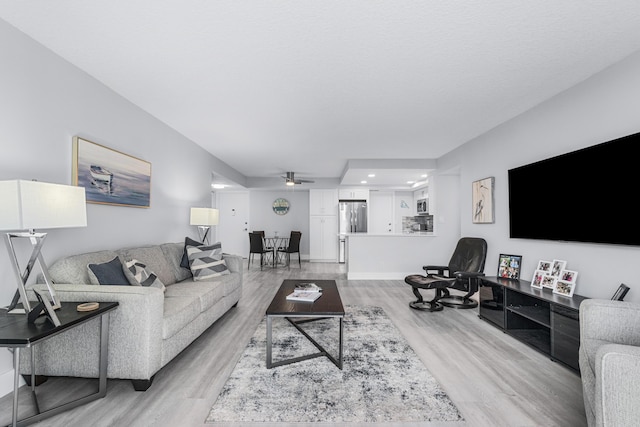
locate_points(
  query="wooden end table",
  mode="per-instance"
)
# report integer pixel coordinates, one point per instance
(16, 333)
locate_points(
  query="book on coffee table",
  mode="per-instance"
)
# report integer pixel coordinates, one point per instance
(306, 296)
(308, 286)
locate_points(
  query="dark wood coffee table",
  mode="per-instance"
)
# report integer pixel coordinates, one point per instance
(329, 305)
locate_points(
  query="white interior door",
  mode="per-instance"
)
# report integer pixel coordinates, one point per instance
(233, 227)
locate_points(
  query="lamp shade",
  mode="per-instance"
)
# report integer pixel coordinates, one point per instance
(27, 205)
(204, 216)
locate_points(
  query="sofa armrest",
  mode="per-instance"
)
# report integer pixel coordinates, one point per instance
(234, 262)
(616, 322)
(135, 334)
(617, 386)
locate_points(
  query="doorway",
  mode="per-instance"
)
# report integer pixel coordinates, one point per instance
(233, 225)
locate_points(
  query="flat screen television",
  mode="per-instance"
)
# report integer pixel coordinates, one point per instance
(588, 195)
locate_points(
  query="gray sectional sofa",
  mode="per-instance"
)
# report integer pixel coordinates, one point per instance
(149, 327)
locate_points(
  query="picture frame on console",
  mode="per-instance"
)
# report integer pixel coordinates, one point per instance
(557, 267)
(509, 266)
(564, 288)
(536, 281)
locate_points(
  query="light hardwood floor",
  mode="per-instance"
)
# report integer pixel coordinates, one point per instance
(492, 378)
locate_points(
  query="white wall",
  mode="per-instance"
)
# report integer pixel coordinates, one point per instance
(262, 217)
(601, 108)
(44, 102)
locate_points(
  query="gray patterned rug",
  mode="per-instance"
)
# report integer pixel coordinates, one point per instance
(382, 380)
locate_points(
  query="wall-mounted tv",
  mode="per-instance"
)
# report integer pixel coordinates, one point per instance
(588, 195)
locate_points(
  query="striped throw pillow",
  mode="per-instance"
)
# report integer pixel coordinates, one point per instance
(206, 262)
(138, 274)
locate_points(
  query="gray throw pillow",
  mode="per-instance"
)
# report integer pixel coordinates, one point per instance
(139, 275)
(108, 273)
(206, 261)
(185, 258)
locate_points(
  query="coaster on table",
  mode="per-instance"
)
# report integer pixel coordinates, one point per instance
(88, 306)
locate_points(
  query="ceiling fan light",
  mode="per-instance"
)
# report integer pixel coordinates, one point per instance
(290, 183)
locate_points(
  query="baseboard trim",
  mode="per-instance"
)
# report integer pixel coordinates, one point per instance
(377, 276)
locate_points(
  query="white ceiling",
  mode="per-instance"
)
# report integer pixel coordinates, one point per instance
(306, 86)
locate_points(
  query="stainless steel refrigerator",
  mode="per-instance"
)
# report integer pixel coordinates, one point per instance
(352, 218)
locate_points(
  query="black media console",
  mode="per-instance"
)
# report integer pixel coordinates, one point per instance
(546, 321)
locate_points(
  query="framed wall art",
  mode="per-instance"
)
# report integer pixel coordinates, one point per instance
(110, 177)
(482, 201)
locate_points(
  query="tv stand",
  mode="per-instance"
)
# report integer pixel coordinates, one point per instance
(546, 321)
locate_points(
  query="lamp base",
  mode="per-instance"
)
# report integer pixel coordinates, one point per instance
(203, 233)
(36, 240)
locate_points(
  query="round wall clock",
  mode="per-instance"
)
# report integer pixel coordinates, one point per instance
(280, 206)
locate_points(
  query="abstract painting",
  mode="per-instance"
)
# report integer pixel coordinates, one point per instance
(482, 201)
(110, 177)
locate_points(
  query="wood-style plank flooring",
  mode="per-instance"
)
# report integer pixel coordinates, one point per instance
(492, 378)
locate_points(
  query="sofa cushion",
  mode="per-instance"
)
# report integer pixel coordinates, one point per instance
(173, 253)
(178, 313)
(154, 259)
(209, 292)
(139, 275)
(206, 261)
(107, 273)
(184, 263)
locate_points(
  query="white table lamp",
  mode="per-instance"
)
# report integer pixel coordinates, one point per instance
(31, 205)
(204, 218)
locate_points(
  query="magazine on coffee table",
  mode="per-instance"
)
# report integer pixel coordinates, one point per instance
(306, 296)
(308, 286)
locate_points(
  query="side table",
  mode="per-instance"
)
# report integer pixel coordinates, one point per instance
(16, 333)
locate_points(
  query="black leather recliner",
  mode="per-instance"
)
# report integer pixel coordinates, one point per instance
(463, 272)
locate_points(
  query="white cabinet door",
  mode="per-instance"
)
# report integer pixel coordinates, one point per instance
(354, 194)
(381, 212)
(330, 244)
(323, 202)
(323, 238)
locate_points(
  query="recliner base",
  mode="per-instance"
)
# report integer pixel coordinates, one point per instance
(426, 305)
(456, 301)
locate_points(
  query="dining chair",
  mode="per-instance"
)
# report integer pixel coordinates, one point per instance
(270, 248)
(256, 246)
(292, 248)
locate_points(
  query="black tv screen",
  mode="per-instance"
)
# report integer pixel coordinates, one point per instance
(587, 195)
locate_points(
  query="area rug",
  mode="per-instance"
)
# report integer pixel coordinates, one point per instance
(382, 379)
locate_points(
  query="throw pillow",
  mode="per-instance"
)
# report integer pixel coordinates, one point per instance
(206, 262)
(108, 273)
(185, 258)
(139, 275)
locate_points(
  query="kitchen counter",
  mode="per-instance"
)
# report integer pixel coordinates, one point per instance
(392, 256)
(413, 234)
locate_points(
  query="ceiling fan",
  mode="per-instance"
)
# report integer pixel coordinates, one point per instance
(291, 180)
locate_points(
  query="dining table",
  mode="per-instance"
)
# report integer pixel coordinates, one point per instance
(276, 242)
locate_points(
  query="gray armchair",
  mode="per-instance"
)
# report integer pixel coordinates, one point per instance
(610, 362)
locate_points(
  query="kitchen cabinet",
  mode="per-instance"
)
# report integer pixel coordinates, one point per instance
(353, 194)
(323, 202)
(323, 238)
(381, 212)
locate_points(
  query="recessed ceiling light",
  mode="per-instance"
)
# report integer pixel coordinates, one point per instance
(424, 175)
(363, 182)
(218, 186)
(371, 175)
(410, 182)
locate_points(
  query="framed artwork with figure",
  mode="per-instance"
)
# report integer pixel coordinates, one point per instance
(482, 201)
